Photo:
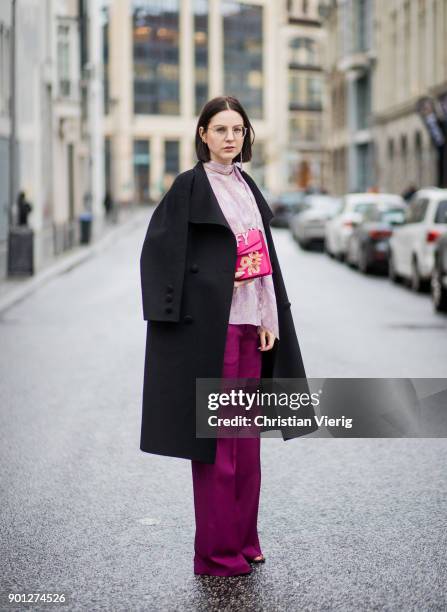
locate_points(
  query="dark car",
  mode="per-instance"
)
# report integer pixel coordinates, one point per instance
(368, 244)
(439, 275)
(285, 206)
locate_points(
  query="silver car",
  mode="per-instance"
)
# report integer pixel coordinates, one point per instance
(308, 226)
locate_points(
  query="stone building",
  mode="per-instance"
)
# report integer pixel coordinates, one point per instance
(411, 42)
(382, 58)
(58, 110)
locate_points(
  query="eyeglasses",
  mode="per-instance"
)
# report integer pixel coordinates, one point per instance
(238, 132)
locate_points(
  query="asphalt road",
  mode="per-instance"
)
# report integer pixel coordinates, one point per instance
(344, 524)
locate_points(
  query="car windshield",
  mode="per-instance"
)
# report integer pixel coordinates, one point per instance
(394, 216)
(366, 208)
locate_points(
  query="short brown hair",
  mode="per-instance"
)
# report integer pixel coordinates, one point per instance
(211, 108)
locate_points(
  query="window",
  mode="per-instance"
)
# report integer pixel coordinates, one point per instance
(304, 90)
(304, 128)
(108, 164)
(243, 57)
(363, 102)
(105, 57)
(304, 52)
(172, 157)
(314, 90)
(441, 212)
(4, 69)
(63, 60)
(200, 53)
(418, 157)
(360, 25)
(364, 166)
(156, 57)
(141, 170)
(421, 209)
(416, 210)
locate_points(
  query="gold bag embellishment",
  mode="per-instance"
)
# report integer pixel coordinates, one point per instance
(251, 263)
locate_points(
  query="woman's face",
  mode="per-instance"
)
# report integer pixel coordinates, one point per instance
(224, 136)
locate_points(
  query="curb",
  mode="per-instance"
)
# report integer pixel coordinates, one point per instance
(19, 289)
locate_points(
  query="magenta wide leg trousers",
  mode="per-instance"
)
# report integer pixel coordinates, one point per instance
(226, 492)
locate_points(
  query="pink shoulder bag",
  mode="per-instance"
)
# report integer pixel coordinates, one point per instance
(252, 255)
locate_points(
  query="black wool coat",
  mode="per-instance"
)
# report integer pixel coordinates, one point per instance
(187, 266)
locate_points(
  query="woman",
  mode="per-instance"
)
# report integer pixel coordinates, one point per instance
(204, 323)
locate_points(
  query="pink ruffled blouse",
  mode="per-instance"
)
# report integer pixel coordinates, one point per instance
(253, 302)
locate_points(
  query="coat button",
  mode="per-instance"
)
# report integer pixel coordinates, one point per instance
(188, 319)
(194, 268)
(168, 298)
(169, 288)
(168, 309)
(287, 305)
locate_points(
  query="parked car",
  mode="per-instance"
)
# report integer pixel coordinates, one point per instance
(285, 205)
(308, 226)
(412, 246)
(439, 275)
(368, 244)
(354, 207)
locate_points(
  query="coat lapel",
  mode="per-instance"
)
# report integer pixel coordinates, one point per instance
(205, 207)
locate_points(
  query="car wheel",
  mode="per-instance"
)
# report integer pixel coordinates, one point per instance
(392, 274)
(438, 292)
(351, 263)
(349, 259)
(416, 282)
(363, 262)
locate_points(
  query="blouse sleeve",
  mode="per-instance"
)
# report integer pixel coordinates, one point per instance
(269, 316)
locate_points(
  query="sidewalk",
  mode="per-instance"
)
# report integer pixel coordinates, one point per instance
(14, 290)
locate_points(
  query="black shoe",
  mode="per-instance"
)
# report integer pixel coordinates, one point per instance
(256, 560)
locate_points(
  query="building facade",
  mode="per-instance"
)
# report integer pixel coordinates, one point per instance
(164, 59)
(411, 64)
(5, 128)
(58, 110)
(349, 69)
(382, 59)
(302, 39)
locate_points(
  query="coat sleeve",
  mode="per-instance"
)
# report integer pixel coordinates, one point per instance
(163, 256)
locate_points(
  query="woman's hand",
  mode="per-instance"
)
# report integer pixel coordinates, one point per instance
(267, 338)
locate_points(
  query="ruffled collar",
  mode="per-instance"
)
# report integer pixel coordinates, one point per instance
(221, 168)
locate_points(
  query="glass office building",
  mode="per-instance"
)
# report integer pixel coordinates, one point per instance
(243, 66)
(166, 58)
(156, 57)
